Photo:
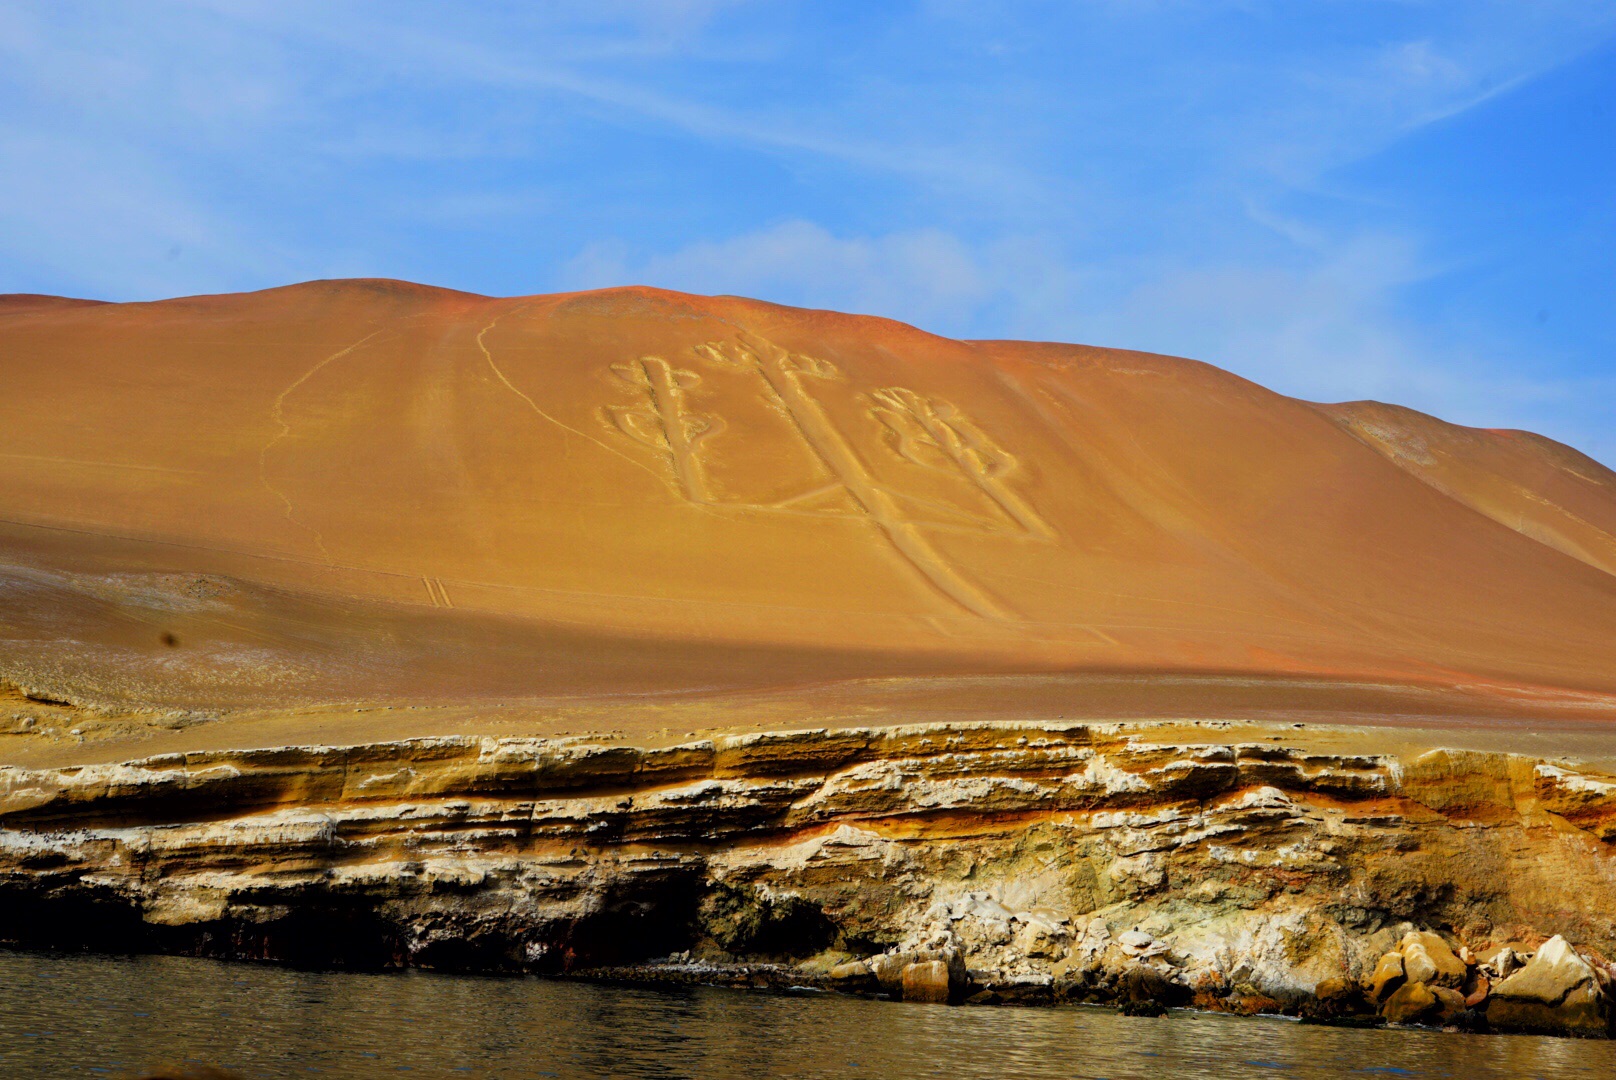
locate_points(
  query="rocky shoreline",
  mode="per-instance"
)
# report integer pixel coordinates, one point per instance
(1422, 982)
(977, 863)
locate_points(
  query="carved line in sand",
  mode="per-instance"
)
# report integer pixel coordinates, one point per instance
(277, 416)
(437, 593)
(663, 422)
(930, 433)
(935, 435)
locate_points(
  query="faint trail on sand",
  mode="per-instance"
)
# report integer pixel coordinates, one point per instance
(488, 356)
(277, 415)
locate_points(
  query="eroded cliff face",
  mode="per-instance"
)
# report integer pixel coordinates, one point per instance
(985, 861)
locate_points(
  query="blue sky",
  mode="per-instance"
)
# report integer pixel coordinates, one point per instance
(1393, 199)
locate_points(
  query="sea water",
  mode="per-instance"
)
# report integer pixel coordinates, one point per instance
(99, 1016)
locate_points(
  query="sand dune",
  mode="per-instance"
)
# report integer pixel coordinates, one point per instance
(384, 493)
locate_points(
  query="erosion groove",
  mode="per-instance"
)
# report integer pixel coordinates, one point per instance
(991, 861)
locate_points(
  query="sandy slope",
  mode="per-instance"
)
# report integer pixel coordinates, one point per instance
(605, 509)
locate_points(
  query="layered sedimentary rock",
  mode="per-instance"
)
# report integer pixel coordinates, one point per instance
(495, 585)
(935, 862)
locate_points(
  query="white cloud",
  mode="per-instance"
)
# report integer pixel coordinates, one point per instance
(1332, 328)
(1321, 327)
(1329, 325)
(1127, 205)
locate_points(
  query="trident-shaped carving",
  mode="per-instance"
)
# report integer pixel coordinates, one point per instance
(663, 423)
(928, 432)
(783, 372)
(935, 435)
(764, 358)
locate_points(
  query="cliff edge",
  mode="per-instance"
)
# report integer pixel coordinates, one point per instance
(981, 862)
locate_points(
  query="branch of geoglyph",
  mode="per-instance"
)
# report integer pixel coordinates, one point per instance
(917, 424)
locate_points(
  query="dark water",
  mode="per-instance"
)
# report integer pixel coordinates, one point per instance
(81, 1016)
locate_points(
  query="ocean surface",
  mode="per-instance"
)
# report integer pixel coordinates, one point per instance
(77, 1016)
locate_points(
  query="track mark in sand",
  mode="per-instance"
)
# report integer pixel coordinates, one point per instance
(495, 368)
(277, 415)
(437, 593)
(103, 464)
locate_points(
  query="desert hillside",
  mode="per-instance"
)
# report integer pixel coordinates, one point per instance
(377, 493)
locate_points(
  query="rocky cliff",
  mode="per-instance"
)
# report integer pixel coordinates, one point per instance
(987, 862)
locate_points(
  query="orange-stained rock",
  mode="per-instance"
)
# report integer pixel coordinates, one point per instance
(1429, 959)
(1409, 1004)
(1557, 991)
(928, 981)
(935, 838)
(888, 970)
(1387, 977)
(1450, 1004)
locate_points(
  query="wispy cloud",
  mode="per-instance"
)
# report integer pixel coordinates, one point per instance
(1325, 327)
(1166, 174)
(458, 60)
(149, 239)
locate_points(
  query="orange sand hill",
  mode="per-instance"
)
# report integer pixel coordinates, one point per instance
(377, 492)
